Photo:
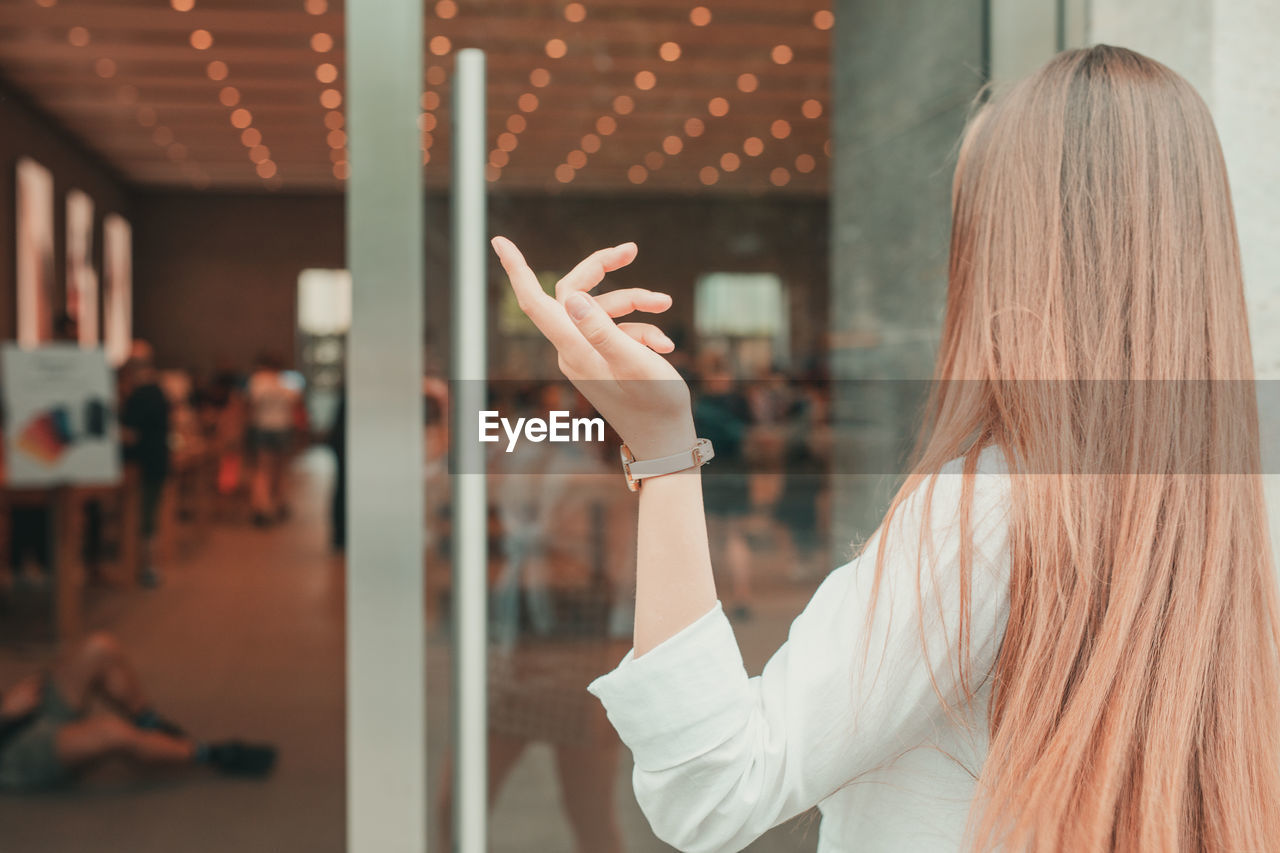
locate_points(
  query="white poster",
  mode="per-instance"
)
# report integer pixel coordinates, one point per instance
(82, 278)
(34, 253)
(60, 424)
(117, 260)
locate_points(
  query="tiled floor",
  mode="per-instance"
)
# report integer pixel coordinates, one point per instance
(245, 638)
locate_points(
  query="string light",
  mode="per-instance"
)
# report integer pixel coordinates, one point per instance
(564, 173)
(709, 175)
(326, 72)
(591, 143)
(779, 177)
(605, 125)
(201, 39)
(646, 80)
(446, 9)
(781, 54)
(539, 77)
(805, 164)
(441, 45)
(780, 129)
(700, 16)
(623, 105)
(577, 158)
(694, 127)
(182, 5)
(556, 48)
(637, 174)
(748, 82)
(718, 107)
(811, 108)
(654, 161)
(528, 102)
(669, 51)
(823, 19)
(322, 42)
(229, 96)
(78, 36)
(753, 146)
(673, 145)
(216, 70)
(729, 162)
(575, 13)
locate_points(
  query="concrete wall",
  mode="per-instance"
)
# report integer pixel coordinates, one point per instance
(216, 274)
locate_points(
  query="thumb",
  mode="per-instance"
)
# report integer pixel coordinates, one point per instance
(599, 329)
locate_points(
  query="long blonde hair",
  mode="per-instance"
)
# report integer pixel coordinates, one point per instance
(1095, 331)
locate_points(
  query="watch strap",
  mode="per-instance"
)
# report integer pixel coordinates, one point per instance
(639, 469)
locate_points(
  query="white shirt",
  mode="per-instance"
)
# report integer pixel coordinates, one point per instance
(720, 758)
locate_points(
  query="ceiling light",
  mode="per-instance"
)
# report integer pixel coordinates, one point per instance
(637, 174)
(646, 80)
(779, 177)
(201, 39)
(673, 145)
(241, 118)
(78, 36)
(446, 9)
(708, 175)
(623, 105)
(730, 162)
(556, 48)
(316, 7)
(574, 13)
(334, 119)
(322, 42)
(330, 99)
(266, 169)
(250, 137)
(229, 96)
(516, 123)
(700, 16)
(718, 107)
(811, 108)
(748, 82)
(805, 164)
(540, 77)
(564, 173)
(654, 160)
(670, 51)
(606, 125)
(528, 102)
(591, 143)
(336, 139)
(440, 45)
(577, 158)
(823, 19)
(694, 127)
(753, 146)
(780, 129)
(508, 141)
(217, 70)
(781, 54)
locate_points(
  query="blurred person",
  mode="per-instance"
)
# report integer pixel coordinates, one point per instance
(562, 575)
(1064, 635)
(722, 413)
(91, 707)
(805, 464)
(273, 403)
(145, 436)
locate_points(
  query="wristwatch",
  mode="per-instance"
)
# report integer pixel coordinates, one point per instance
(636, 470)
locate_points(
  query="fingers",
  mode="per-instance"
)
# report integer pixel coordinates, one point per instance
(649, 335)
(618, 303)
(591, 270)
(542, 309)
(616, 346)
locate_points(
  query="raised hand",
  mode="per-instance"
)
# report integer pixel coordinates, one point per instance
(616, 366)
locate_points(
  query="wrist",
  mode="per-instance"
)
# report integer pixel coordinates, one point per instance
(672, 438)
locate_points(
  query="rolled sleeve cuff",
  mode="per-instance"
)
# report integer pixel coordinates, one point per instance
(683, 698)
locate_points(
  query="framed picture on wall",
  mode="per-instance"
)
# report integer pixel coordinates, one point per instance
(34, 253)
(82, 278)
(117, 262)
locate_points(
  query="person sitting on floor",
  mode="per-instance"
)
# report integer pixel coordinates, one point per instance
(48, 734)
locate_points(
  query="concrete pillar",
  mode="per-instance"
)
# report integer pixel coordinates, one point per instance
(1227, 49)
(905, 75)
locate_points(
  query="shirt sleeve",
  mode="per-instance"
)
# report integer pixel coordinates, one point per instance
(720, 758)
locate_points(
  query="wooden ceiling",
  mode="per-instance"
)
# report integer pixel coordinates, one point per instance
(594, 96)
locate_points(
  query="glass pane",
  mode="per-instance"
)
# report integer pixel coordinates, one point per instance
(702, 134)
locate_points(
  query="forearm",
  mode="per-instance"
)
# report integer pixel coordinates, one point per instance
(674, 584)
